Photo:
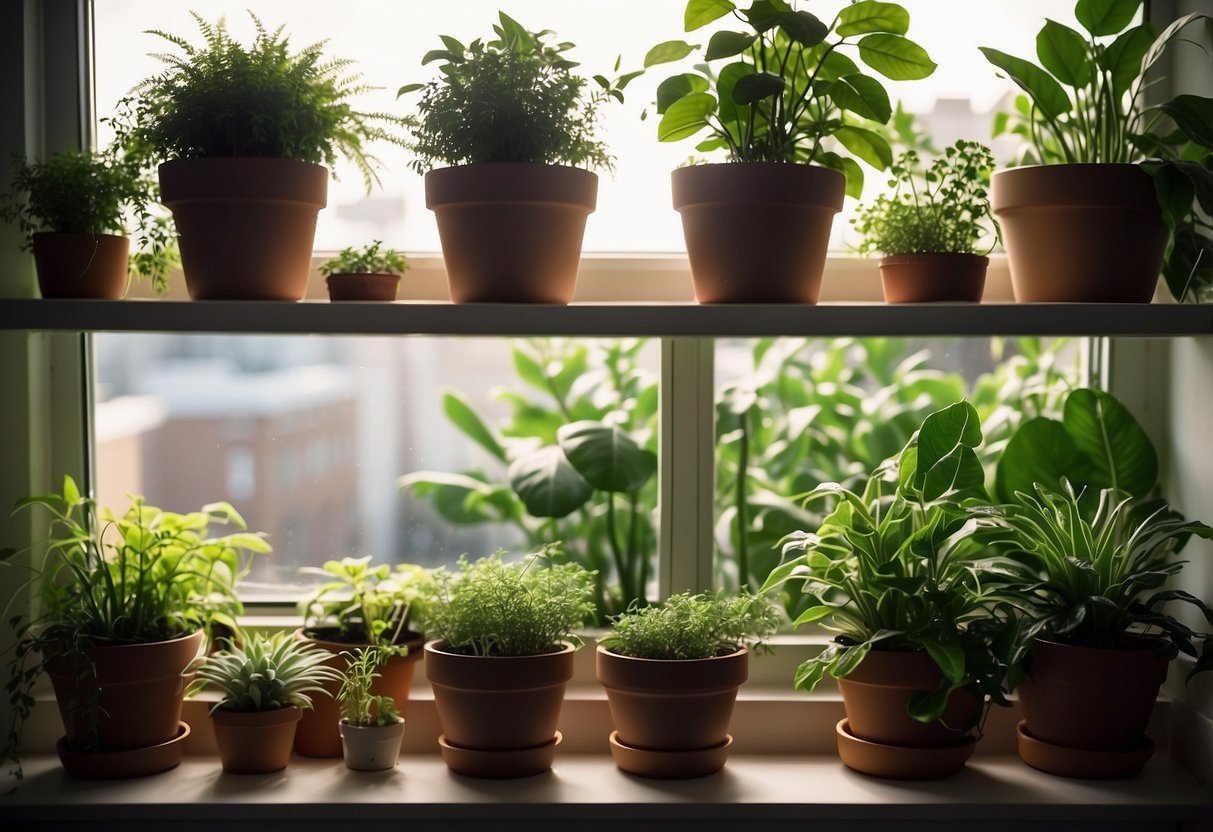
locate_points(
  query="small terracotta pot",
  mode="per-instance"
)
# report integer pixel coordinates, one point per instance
(757, 232)
(498, 703)
(318, 734)
(362, 286)
(255, 742)
(246, 225)
(1080, 233)
(511, 232)
(371, 747)
(933, 277)
(139, 698)
(81, 265)
(1091, 698)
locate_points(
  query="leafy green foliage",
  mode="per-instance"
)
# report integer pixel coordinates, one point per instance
(224, 99)
(945, 208)
(688, 626)
(494, 608)
(266, 673)
(789, 92)
(103, 192)
(359, 706)
(366, 604)
(371, 259)
(513, 98)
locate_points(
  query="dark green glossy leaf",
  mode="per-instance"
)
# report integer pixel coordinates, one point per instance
(702, 12)
(862, 95)
(686, 117)
(895, 57)
(1201, 178)
(606, 457)
(1122, 59)
(678, 86)
(1044, 90)
(727, 44)
(664, 53)
(1063, 52)
(1104, 431)
(1041, 451)
(755, 87)
(548, 484)
(803, 28)
(870, 16)
(1106, 17)
(764, 15)
(1193, 114)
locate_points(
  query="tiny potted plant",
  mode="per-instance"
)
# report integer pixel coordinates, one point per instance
(507, 140)
(371, 727)
(790, 108)
(369, 273)
(361, 605)
(75, 210)
(265, 682)
(500, 659)
(242, 136)
(930, 227)
(671, 674)
(897, 572)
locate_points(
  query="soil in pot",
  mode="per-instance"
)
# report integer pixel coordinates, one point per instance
(362, 286)
(942, 277)
(81, 265)
(255, 742)
(371, 747)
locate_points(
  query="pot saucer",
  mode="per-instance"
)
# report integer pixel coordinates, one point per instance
(132, 762)
(898, 762)
(670, 765)
(513, 762)
(1081, 762)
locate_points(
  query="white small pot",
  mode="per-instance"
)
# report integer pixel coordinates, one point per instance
(372, 748)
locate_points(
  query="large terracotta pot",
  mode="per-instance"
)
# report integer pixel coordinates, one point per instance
(933, 277)
(246, 225)
(81, 265)
(318, 734)
(255, 742)
(511, 232)
(757, 232)
(1080, 233)
(137, 689)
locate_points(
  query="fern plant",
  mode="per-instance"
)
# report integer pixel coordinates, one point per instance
(358, 705)
(266, 673)
(689, 626)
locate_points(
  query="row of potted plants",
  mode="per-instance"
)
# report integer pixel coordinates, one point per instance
(506, 139)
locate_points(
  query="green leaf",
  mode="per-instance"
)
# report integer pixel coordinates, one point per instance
(848, 167)
(702, 12)
(1122, 59)
(813, 614)
(664, 53)
(1201, 179)
(945, 430)
(862, 95)
(1041, 451)
(1044, 90)
(871, 16)
(1175, 192)
(756, 86)
(1120, 452)
(869, 146)
(1106, 17)
(686, 117)
(678, 86)
(1193, 114)
(467, 420)
(1063, 52)
(606, 457)
(71, 493)
(727, 44)
(895, 57)
(803, 28)
(548, 484)
(949, 657)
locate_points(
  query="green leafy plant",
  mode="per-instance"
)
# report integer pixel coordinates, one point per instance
(688, 626)
(102, 192)
(366, 604)
(221, 98)
(944, 208)
(789, 93)
(265, 673)
(513, 98)
(358, 705)
(371, 259)
(494, 608)
(897, 567)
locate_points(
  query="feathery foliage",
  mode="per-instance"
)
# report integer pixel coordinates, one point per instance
(358, 705)
(371, 259)
(689, 626)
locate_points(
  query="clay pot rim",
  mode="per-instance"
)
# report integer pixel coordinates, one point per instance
(95, 234)
(410, 639)
(342, 275)
(345, 723)
(1094, 186)
(256, 719)
(435, 646)
(684, 662)
(198, 161)
(1138, 643)
(919, 256)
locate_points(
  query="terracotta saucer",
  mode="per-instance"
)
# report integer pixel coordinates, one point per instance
(521, 762)
(901, 762)
(133, 762)
(670, 765)
(1081, 762)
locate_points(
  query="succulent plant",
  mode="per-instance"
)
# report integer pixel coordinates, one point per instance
(266, 673)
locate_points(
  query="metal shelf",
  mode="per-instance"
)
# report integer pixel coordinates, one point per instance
(606, 319)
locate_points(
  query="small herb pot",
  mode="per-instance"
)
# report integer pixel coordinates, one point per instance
(362, 286)
(255, 742)
(371, 747)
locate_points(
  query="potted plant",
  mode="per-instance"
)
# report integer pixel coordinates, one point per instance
(930, 227)
(74, 211)
(515, 131)
(501, 656)
(243, 135)
(358, 606)
(788, 100)
(896, 571)
(265, 682)
(671, 674)
(1083, 223)
(371, 727)
(369, 273)
(127, 600)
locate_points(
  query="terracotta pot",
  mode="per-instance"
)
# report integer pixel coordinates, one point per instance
(362, 286)
(255, 742)
(933, 277)
(498, 703)
(371, 747)
(757, 232)
(246, 225)
(1084, 763)
(81, 265)
(1080, 233)
(1091, 698)
(899, 762)
(137, 688)
(132, 762)
(877, 693)
(511, 233)
(318, 734)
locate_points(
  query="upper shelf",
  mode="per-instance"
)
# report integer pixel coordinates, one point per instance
(605, 319)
